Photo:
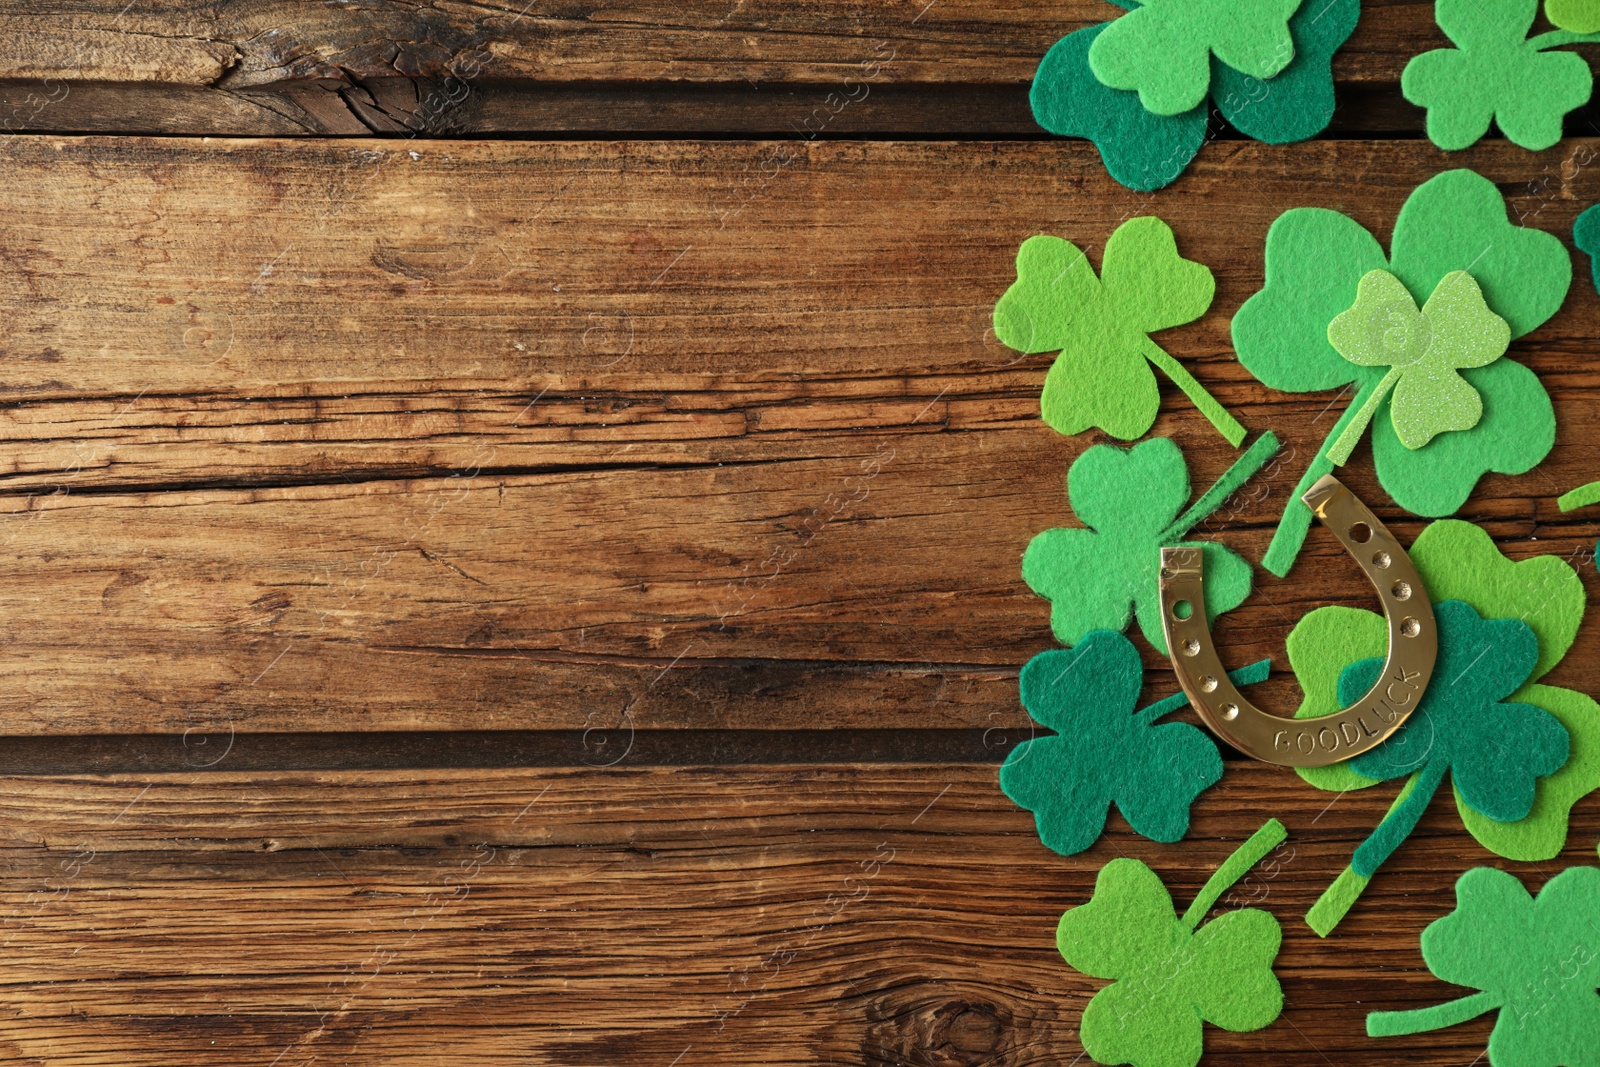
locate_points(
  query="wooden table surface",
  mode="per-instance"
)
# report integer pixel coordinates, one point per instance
(511, 521)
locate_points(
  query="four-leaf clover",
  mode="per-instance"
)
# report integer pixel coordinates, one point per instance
(1163, 50)
(1104, 752)
(1460, 563)
(1144, 150)
(1315, 262)
(1171, 974)
(1535, 960)
(1423, 350)
(1497, 72)
(1101, 327)
(1098, 578)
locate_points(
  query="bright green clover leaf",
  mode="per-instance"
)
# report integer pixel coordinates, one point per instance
(1579, 16)
(1423, 350)
(1536, 960)
(1496, 72)
(1104, 752)
(1101, 327)
(1459, 562)
(1146, 151)
(1169, 977)
(1098, 578)
(1163, 49)
(1315, 261)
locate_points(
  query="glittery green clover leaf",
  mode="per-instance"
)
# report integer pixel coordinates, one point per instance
(1315, 261)
(1578, 16)
(1459, 561)
(1422, 351)
(1536, 961)
(1495, 750)
(1496, 72)
(1163, 49)
(1172, 975)
(1104, 752)
(1099, 578)
(1101, 327)
(1146, 151)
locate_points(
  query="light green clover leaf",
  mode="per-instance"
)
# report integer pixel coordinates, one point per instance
(1536, 960)
(1163, 49)
(1460, 562)
(1315, 261)
(1098, 578)
(1171, 977)
(1423, 350)
(1101, 327)
(1495, 72)
(1579, 16)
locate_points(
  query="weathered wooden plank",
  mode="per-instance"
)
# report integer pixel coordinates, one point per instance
(766, 914)
(481, 438)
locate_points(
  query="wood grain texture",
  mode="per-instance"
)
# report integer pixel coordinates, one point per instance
(324, 436)
(780, 915)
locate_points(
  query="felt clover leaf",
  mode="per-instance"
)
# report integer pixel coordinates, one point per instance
(1536, 961)
(1172, 974)
(1497, 72)
(1163, 50)
(1586, 235)
(1462, 570)
(1101, 327)
(1144, 150)
(1422, 351)
(1100, 577)
(1315, 262)
(1104, 751)
(1579, 16)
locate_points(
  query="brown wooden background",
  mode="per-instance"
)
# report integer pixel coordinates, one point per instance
(431, 630)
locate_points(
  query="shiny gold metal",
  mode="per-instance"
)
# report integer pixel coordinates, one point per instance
(1413, 646)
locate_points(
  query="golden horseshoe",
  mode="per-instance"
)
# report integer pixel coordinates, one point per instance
(1413, 646)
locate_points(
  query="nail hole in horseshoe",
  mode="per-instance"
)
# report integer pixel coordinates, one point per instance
(1182, 609)
(1401, 590)
(1360, 533)
(1230, 711)
(1410, 627)
(1191, 647)
(1381, 560)
(1208, 684)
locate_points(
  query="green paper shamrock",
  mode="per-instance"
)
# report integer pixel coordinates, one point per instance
(1579, 16)
(1163, 50)
(1315, 262)
(1458, 562)
(1536, 960)
(1497, 73)
(1104, 751)
(1423, 350)
(1146, 151)
(1169, 977)
(1100, 577)
(1101, 327)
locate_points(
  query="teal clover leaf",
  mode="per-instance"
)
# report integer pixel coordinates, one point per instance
(1170, 974)
(1315, 260)
(1104, 752)
(1146, 151)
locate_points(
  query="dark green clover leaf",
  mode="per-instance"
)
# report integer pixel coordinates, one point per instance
(1144, 150)
(1536, 960)
(1495, 751)
(1104, 751)
(1171, 975)
(1455, 221)
(1496, 72)
(1098, 578)
(1101, 327)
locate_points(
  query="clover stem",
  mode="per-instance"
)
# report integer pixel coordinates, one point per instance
(1247, 855)
(1228, 426)
(1296, 519)
(1339, 451)
(1436, 1017)
(1395, 827)
(1232, 480)
(1557, 38)
(1580, 497)
(1247, 675)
